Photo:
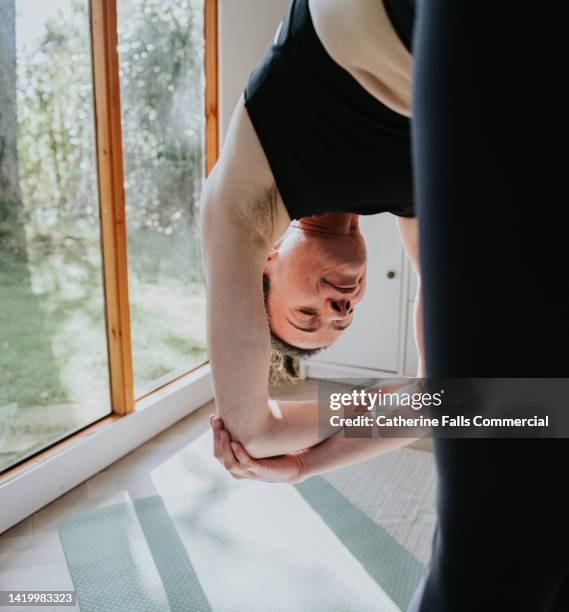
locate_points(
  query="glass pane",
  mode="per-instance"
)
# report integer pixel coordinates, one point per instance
(53, 354)
(162, 83)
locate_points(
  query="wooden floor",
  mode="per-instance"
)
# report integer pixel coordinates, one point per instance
(31, 556)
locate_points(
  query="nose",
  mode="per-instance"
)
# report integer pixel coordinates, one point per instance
(340, 308)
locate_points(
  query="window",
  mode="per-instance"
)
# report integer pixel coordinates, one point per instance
(65, 318)
(53, 358)
(161, 69)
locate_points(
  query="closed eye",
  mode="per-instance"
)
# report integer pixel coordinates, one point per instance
(308, 311)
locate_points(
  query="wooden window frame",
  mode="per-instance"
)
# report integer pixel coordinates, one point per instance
(111, 181)
(110, 172)
(104, 41)
(211, 67)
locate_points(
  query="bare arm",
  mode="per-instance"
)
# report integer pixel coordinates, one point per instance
(409, 233)
(241, 218)
(333, 453)
(338, 451)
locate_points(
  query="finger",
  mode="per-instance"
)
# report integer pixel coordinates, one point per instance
(241, 455)
(228, 458)
(216, 445)
(217, 439)
(240, 472)
(245, 474)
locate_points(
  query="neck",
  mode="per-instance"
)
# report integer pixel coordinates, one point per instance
(330, 223)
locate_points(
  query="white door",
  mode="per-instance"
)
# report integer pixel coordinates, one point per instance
(372, 340)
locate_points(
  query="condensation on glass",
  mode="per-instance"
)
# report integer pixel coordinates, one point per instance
(53, 354)
(161, 46)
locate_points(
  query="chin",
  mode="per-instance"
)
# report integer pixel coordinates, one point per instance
(348, 259)
(353, 254)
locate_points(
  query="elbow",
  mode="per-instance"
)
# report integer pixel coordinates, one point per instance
(258, 446)
(255, 436)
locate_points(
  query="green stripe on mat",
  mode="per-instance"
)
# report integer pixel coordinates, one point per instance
(179, 580)
(108, 557)
(384, 559)
(129, 556)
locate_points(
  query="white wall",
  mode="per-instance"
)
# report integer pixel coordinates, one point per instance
(373, 338)
(246, 29)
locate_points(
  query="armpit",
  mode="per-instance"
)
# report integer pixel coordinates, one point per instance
(260, 213)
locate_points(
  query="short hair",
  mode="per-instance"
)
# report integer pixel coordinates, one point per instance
(284, 356)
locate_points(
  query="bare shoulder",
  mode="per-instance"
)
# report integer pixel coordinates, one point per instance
(243, 182)
(359, 36)
(349, 30)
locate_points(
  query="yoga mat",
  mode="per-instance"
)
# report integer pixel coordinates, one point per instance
(398, 492)
(129, 557)
(386, 561)
(227, 546)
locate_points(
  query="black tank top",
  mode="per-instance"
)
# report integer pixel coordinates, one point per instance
(331, 145)
(401, 13)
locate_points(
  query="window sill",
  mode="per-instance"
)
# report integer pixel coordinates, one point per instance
(31, 485)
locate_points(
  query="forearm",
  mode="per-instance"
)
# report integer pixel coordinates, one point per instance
(298, 425)
(339, 451)
(295, 466)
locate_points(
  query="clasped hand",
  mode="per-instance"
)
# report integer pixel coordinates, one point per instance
(233, 456)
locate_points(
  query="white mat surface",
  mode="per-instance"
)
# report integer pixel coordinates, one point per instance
(256, 546)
